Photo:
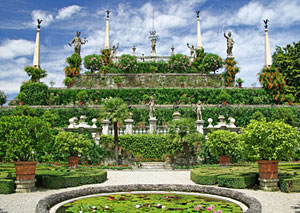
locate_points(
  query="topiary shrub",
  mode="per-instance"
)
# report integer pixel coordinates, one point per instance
(35, 73)
(2, 98)
(34, 94)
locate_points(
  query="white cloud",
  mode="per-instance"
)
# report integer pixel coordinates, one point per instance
(41, 14)
(67, 12)
(10, 49)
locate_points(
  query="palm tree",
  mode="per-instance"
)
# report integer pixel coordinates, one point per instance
(182, 131)
(116, 111)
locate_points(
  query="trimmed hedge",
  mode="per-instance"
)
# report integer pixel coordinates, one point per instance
(36, 93)
(7, 186)
(238, 182)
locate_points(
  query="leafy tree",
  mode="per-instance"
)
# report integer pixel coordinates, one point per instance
(116, 111)
(35, 73)
(287, 60)
(2, 98)
(180, 132)
(93, 62)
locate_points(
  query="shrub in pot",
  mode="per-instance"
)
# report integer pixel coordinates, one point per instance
(82, 97)
(22, 138)
(71, 145)
(268, 142)
(224, 144)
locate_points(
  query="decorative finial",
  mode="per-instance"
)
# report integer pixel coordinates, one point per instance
(107, 13)
(39, 23)
(198, 12)
(266, 23)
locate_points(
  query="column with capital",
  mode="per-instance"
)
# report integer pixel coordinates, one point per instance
(199, 39)
(106, 44)
(36, 56)
(268, 57)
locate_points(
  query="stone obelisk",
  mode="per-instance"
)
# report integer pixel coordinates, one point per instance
(268, 57)
(199, 39)
(106, 45)
(36, 56)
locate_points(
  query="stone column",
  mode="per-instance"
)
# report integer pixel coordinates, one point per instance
(200, 124)
(152, 122)
(106, 45)
(199, 40)
(105, 125)
(36, 56)
(268, 57)
(129, 129)
(176, 115)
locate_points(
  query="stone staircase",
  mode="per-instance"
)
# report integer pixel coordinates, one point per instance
(152, 166)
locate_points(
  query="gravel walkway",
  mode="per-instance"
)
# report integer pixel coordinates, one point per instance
(272, 202)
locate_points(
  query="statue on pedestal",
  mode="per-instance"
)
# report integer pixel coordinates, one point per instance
(77, 40)
(230, 43)
(153, 46)
(266, 23)
(198, 110)
(114, 50)
(192, 49)
(152, 107)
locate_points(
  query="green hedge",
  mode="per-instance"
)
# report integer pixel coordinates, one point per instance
(238, 181)
(36, 93)
(7, 186)
(165, 95)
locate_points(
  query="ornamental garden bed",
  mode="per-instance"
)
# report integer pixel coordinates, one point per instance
(240, 177)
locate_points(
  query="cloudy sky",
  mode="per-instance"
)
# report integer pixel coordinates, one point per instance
(130, 23)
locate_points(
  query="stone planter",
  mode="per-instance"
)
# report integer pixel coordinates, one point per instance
(224, 160)
(73, 161)
(25, 176)
(268, 173)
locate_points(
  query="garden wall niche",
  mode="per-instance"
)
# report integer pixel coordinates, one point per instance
(149, 80)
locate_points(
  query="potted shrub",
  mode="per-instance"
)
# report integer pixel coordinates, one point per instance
(71, 145)
(224, 144)
(153, 69)
(289, 99)
(118, 80)
(22, 139)
(68, 81)
(239, 81)
(268, 142)
(224, 97)
(82, 97)
(181, 79)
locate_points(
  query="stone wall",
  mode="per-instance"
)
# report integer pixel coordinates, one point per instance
(148, 80)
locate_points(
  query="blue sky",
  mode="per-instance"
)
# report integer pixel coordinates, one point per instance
(130, 23)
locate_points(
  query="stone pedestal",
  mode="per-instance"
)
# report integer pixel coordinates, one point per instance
(129, 129)
(176, 115)
(199, 125)
(25, 186)
(152, 122)
(105, 125)
(268, 184)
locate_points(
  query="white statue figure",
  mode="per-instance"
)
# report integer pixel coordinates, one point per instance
(152, 107)
(198, 110)
(114, 50)
(192, 49)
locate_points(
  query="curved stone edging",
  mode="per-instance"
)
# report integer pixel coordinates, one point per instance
(46, 203)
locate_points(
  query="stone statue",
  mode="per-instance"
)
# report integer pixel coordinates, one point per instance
(198, 110)
(192, 49)
(266, 23)
(153, 45)
(114, 50)
(77, 40)
(39, 23)
(152, 107)
(230, 43)
(198, 13)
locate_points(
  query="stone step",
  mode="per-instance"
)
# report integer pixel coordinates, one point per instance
(152, 165)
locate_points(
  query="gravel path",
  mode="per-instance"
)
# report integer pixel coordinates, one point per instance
(272, 202)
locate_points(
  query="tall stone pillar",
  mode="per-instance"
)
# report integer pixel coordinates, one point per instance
(268, 57)
(106, 45)
(105, 127)
(199, 39)
(129, 129)
(199, 125)
(152, 122)
(36, 56)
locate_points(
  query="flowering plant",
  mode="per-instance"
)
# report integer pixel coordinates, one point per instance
(127, 64)
(93, 62)
(212, 62)
(71, 71)
(106, 60)
(179, 63)
(230, 71)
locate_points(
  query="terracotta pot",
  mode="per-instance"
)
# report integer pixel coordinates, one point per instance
(21, 103)
(268, 169)
(73, 161)
(224, 160)
(25, 170)
(182, 85)
(240, 85)
(80, 103)
(118, 85)
(224, 103)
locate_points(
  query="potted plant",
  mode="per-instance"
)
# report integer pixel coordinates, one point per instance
(181, 79)
(82, 97)
(22, 97)
(268, 142)
(22, 139)
(289, 99)
(224, 144)
(153, 69)
(118, 80)
(68, 81)
(71, 145)
(239, 81)
(224, 97)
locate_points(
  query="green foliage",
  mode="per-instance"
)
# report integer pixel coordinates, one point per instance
(238, 182)
(68, 81)
(74, 60)
(239, 81)
(198, 61)
(230, 71)
(212, 62)
(222, 142)
(3, 98)
(72, 143)
(273, 82)
(127, 64)
(7, 186)
(224, 96)
(114, 109)
(82, 96)
(287, 61)
(93, 62)
(270, 140)
(22, 138)
(95, 155)
(35, 73)
(179, 63)
(34, 94)
(117, 79)
(106, 60)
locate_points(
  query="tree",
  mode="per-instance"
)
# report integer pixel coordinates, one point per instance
(35, 73)
(181, 131)
(3, 98)
(287, 60)
(116, 111)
